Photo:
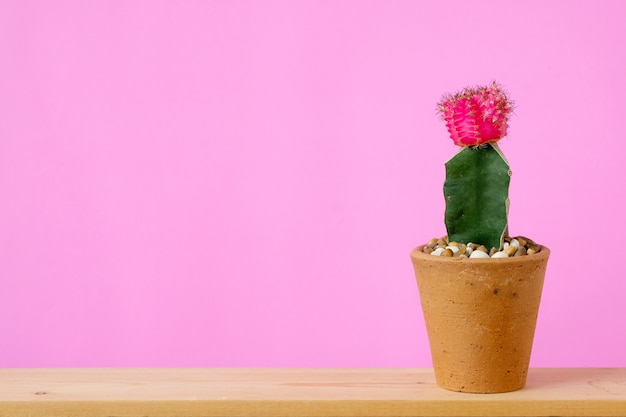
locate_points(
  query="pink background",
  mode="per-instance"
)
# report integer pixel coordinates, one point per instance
(231, 183)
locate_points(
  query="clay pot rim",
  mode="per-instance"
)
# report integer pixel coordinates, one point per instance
(543, 253)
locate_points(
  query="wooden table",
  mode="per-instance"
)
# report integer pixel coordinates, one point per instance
(298, 392)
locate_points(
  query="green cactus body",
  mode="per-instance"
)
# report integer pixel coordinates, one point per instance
(477, 196)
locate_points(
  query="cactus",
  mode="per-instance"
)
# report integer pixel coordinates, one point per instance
(476, 192)
(477, 178)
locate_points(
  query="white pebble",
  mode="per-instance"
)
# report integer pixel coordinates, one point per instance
(500, 254)
(437, 252)
(454, 249)
(469, 250)
(506, 245)
(479, 254)
(515, 243)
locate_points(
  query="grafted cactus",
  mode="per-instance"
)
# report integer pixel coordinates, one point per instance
(477, 178)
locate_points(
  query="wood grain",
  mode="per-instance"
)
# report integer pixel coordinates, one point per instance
(298, 392)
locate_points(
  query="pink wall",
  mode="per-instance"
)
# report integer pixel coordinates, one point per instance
(229, 183)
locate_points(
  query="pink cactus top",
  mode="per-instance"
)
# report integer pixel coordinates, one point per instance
(476, 116)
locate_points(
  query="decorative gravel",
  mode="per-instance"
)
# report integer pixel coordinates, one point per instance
(513, 246)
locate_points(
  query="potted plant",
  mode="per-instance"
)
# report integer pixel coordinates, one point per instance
(479, 287)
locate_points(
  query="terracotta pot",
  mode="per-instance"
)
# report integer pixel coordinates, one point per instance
(480, 315)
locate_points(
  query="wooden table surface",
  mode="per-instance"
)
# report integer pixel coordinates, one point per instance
(299, 392)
